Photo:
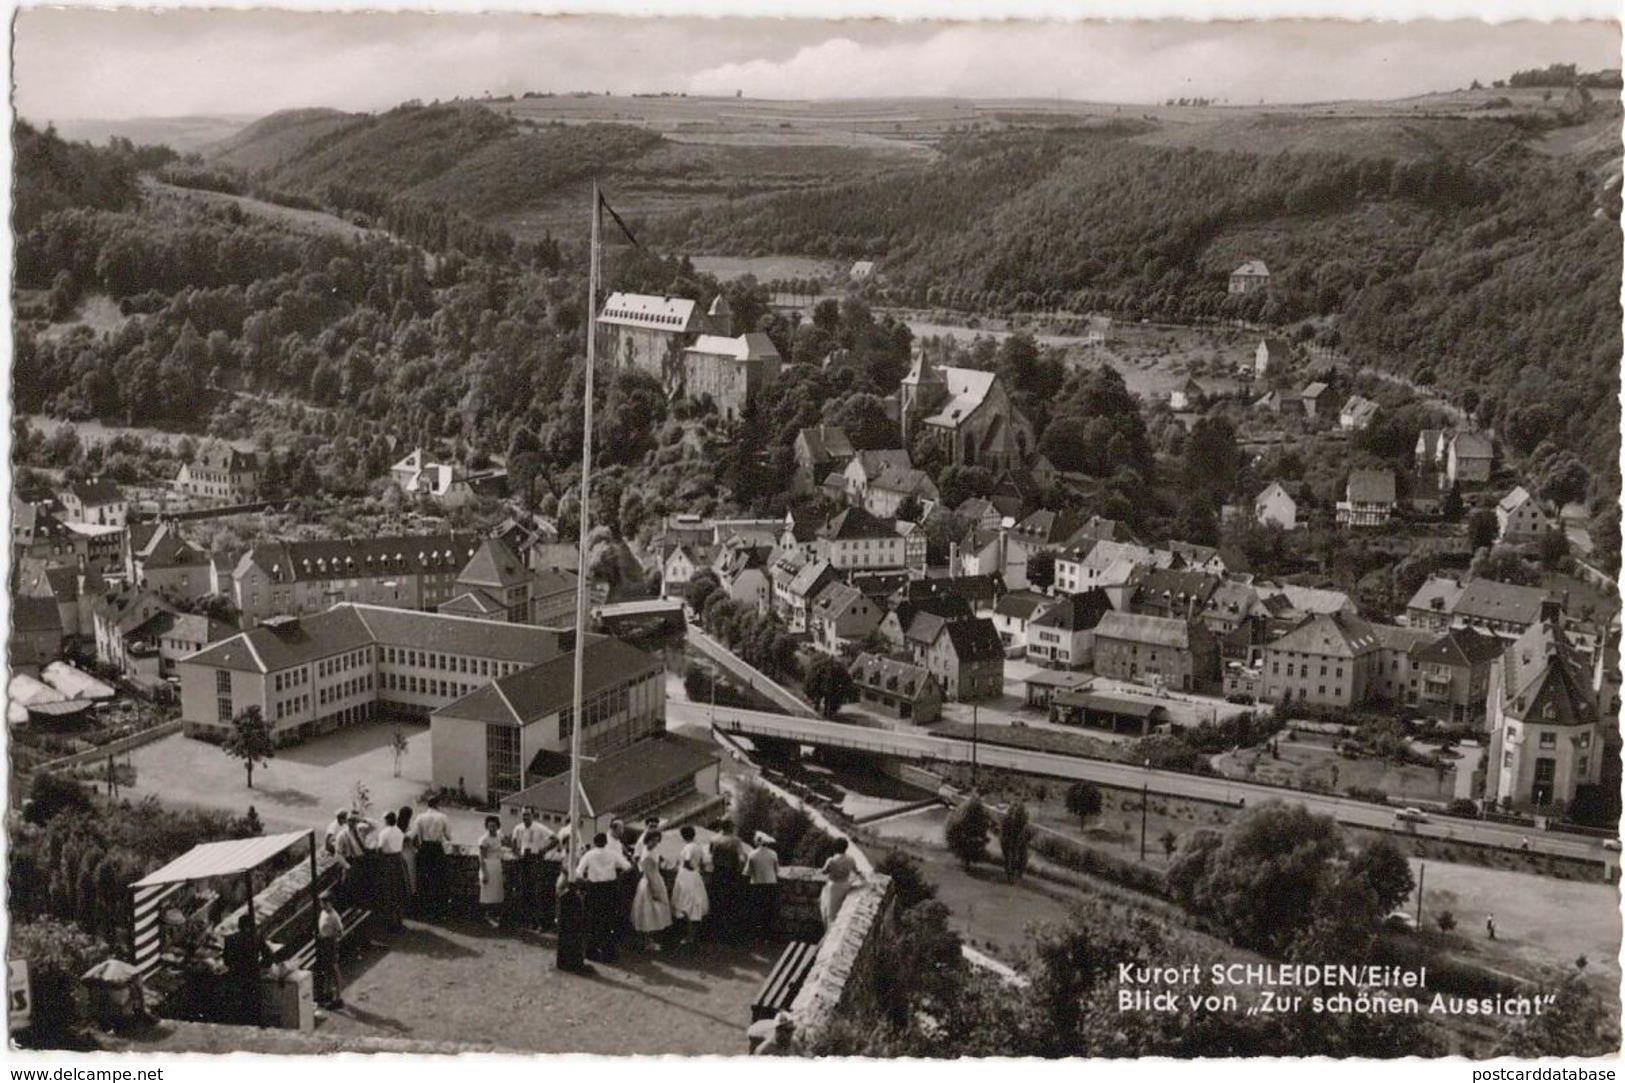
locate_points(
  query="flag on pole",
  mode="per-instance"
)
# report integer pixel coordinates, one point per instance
(604, 205)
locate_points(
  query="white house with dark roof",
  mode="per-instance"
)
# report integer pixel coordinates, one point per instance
(1330, 660)
(1469, 457)
(1251, 277)
(220, 471)
(1014, 612)
(97, 502)
(1276, 507)
(1520, 518)
(1358, 412)
(1063, 634)
(1546, 735)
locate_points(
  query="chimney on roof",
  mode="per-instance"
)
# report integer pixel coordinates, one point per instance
(1551, 610)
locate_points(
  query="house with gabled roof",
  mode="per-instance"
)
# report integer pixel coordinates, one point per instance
(1330, 659)
(1276, 506)
(1469, 457)
(1174, 592)
(219, 471)
(841, 618)
(1453, 674)
(1369, 500)
(413, 571)
(1546, 733)
(1158, 651)
(1013, 615)
(1430, 450)
(96, 502)
(856, 539)
(965, 656)
(1251, 277)
(36, 631)
(498, 572)
(158, 557)
(820, 451)
(901, 625)
(901, 690)
(1063, 634)
(1521, 519)
(794, 602)
(1358, 412)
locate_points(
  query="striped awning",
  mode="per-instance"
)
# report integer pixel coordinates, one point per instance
(221, 859)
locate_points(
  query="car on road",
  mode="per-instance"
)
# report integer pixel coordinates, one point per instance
(1611, 844)
(1410, 816)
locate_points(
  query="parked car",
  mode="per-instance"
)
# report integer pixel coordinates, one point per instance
(1410, 816)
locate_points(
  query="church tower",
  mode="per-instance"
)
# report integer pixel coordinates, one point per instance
(921, 393)
(720, 318)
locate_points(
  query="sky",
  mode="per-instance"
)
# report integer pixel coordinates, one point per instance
(115, 64)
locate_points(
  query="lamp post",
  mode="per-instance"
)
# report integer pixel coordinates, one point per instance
(973, 743)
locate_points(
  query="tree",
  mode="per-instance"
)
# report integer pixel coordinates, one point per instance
(1170, 843)
(699, 589)
(1552, 548)
(1261, 880)
(1041, 569)
(250, 740)
(966, 831)
(1451, 508)
(1213, 459)
(1482, 529)
(398, 746)
(1083, 800)
(907, 877)
(830, 685)
(1015, 834)
(1383, 867)
(50, 795)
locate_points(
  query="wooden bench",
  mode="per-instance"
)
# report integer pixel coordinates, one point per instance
(352, 920)
(784, 981)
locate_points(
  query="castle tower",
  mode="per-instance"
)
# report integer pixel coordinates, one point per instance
(721, 317)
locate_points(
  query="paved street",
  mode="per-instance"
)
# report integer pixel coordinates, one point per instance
(918, 745)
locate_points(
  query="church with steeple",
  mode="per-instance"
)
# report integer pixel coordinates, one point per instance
(693, 353)
(966, 412)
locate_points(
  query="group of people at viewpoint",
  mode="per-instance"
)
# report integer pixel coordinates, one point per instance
(725, 885)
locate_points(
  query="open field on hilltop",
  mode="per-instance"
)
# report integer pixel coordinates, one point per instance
(317, 223)
(97, 312)
(767, 268)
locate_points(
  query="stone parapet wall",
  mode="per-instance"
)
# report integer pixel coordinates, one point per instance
(846, 954)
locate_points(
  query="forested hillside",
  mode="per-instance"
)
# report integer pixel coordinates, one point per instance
(1497, 277)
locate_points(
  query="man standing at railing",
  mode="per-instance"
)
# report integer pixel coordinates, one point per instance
(530, 840)
(433, 833)
(329, 928)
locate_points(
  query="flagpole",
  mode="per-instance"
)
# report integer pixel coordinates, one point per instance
(581, 569)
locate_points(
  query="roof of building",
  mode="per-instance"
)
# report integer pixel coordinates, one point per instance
(909, 482)
(855, 523)
(1313, 390)
(1314, 599)
(1108, 703)
(1358, 408)
(1439, 594)
(944, 607)
(1047, 527)
(1543, 678)
(30, 613)
(1516, 499)
(975, 640)
(1371, 487)
(1471, 445)
(95, 492)
(532, 694)
(1177, 589)
(551, 581)
(285, 642)
(1392, 637)
(967, 390)
(1490, 599)
(754, 346)
(1429, 442)
(1336, 635)
(1096, 528)
(473, 603)
(165, 548)
(219, 455)
(1155, 631)
(891, 675)
(1460, 647)
(878, 460)
(646, 310)
(975, 589)
(1021, 604)
(812, 575)
(975, 508)
(1194, 554)
(1274, 490)
(619, 780)
(826, 442)
(1076, 612)
(1252, 267)
(346, 558)
(838, 599)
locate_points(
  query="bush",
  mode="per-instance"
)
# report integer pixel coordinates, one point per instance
(966, 831)
(1462, 806)
(1086, 859)
(1367, 793)
(1446, 920)
(53, 794)
(57, 954)
(908, 879)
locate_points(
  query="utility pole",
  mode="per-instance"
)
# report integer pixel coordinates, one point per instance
(973, 743)
(1421, 878)
(1145, 802)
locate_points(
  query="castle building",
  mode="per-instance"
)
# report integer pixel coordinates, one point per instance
(968, 412)
(693, 353)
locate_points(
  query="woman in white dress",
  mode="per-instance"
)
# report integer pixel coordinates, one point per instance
(491, 871)
(651, 906)
(839, 873)
(689, 900)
